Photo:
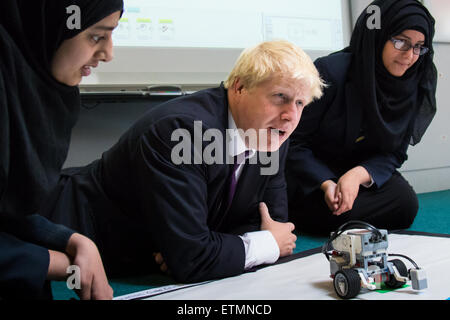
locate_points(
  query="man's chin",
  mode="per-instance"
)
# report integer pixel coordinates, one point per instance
(272, 145)
(270, 148)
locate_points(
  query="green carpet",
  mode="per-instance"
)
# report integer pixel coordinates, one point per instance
(433, 217)
(434, 213)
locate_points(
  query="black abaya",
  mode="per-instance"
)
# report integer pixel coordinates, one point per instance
(37, 114)
(366, 117)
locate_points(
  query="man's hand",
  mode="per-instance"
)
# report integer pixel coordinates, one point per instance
(94, 283)
(160, 261)
(281, 231)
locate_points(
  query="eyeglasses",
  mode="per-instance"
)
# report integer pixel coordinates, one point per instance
(405, 45)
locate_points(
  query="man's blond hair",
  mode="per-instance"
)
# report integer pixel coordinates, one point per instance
(275, 58)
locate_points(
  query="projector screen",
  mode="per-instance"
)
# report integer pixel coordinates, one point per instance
(197, 42)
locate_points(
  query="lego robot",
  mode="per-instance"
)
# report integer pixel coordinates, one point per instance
(358, 258)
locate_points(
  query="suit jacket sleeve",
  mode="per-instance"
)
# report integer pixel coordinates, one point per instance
(174, 198)
(304, 171)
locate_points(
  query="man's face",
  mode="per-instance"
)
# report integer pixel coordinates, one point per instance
(273, 108)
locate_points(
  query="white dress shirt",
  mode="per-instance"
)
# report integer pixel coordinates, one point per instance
(260, 246)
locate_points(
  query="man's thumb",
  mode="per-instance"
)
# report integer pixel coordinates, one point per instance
(265, 216)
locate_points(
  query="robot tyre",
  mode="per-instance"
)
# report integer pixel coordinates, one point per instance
(401, 267)
(347, 283)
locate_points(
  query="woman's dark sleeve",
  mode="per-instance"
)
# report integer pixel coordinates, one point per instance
(34, 229)
(382, 166)
(38, 230)
(23, 268)
(304, 171)
(24, 254)
(24, 241)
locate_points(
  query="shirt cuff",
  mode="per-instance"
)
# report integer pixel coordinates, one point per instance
(260, 248)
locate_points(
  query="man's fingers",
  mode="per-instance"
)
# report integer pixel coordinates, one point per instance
(291, 226)
(158, 258)
(291, 248)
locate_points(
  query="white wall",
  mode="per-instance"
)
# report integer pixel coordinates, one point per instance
(428, 166)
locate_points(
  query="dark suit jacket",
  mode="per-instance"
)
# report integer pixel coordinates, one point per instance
(319, 148)
(182, 205)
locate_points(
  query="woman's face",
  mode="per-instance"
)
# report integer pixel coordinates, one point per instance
(397, 62)
(76, 56)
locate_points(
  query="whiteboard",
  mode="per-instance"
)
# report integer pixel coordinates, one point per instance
(198, 41)
(440, 10)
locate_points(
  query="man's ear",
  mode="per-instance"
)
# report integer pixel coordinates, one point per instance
(238, 86)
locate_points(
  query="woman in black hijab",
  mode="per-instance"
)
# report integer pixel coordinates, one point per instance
(46, 47)
(344, 155)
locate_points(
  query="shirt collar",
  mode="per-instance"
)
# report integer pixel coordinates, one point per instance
(236, 145)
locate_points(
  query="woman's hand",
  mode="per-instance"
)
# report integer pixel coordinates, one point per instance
(85, 255)
(341, 196)
(347, 188)
(331, 198)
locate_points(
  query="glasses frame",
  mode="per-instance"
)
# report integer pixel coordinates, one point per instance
(418, 49)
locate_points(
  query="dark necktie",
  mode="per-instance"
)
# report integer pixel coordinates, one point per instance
(233, 179)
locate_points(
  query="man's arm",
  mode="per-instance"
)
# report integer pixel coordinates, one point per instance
(174, 201)
(275, 238)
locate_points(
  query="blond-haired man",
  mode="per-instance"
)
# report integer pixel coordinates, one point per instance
(188, 180)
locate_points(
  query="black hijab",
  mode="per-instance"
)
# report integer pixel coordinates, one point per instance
(394, 108)
(39, 27)
(37, 113)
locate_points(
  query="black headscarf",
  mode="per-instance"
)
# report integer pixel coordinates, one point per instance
(37, 113)
(39, 27)
(394, 107)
